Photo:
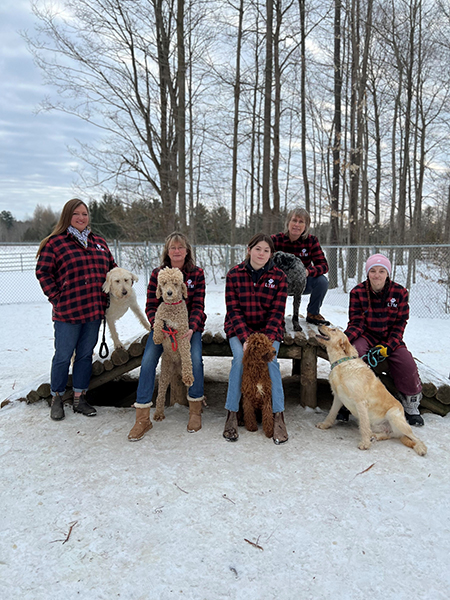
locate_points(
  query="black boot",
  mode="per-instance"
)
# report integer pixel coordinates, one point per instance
(80, 405)
(57, 408)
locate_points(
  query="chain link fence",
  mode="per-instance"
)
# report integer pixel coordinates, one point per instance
(423, 270)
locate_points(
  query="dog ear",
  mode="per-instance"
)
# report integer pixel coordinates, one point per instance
(158, 291)
(107, 285)
(347, 347)
(184, 290)
(134, 278)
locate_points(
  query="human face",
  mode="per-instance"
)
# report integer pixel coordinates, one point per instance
(259, 255)
(377, 278)
(80, 218)
(296, 227)
(177, 254)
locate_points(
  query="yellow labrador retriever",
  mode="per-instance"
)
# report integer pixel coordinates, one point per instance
(354, 384)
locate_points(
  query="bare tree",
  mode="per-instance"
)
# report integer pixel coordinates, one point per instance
(113, 65)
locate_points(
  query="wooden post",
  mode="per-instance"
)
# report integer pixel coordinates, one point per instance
(308, 377)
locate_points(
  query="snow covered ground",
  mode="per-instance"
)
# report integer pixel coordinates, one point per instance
(86, 514)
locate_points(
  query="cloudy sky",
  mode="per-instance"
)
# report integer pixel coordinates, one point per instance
(36, 166)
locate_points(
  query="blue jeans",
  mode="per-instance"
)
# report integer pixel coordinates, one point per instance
(317, 287)
(69, 337)
(235, 379)
(150, 360)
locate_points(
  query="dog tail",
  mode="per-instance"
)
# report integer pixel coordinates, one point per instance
(415, 444)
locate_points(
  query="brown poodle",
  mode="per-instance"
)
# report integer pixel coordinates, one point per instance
(256, 385)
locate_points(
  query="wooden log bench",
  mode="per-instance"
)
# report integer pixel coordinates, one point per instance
(301, 347)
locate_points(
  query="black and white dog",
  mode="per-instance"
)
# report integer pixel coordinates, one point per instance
(296, 277)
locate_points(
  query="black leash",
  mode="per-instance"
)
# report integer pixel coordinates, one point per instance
(104, 350)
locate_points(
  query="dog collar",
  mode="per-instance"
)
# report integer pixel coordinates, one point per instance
(341, 360)
(173, 303)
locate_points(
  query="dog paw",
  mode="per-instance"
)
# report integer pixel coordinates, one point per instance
(323, 425)
(159, 416)
(188, 381)
(364, 445)
(252, 427)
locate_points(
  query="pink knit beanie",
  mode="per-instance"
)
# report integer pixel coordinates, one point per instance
(378, 260)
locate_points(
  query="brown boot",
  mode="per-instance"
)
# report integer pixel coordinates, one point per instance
(316, 320)
(143, 423)
(280, 435)
(195, 414)
(230, 432)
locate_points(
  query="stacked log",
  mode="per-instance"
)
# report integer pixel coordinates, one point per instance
(302, 347)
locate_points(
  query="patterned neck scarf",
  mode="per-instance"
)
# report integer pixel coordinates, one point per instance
(81, 236)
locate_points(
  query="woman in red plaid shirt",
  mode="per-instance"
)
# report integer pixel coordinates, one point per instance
(296, 239)
(255, 295)
(71, 268)
(177, 253)
(378, 313)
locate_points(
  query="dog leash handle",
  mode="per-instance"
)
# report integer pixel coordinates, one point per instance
(104, 350)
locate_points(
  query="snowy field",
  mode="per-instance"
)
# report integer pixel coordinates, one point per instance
(87, 514)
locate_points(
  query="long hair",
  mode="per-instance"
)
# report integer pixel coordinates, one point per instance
(64, 220)
(256, 239)
(300, 213)
(178, 238)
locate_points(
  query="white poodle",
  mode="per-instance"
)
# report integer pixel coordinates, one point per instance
(119, 286)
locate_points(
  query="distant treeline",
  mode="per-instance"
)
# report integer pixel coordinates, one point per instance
(143, 220)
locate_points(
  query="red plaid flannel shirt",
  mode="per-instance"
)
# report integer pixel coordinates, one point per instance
(72, 277)
(195, 283)
(309, 250)
(383, 319)
(255, 307)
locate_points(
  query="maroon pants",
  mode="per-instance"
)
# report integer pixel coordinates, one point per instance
(402, 367)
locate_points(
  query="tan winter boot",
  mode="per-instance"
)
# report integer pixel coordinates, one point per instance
(195, 414)
(143, 423)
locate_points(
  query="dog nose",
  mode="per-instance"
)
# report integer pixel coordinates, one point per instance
(124, 292)
(169, 293)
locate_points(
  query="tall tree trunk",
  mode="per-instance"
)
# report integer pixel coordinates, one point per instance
(237, 93)
(181, 115)
(334, 218)
(168, 171)
(276, 120)
(267, 213)
(254, 144)
(303, 95)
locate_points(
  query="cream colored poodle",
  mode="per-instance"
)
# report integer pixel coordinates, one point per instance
(171, 323)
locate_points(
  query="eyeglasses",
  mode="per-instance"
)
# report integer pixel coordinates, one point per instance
(173, 248)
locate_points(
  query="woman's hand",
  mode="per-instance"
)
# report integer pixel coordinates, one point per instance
(188, 335)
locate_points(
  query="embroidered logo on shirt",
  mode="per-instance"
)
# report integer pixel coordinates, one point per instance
(100, 247)
(270, 284)
(189, 284)
(304, 252)
(392, 303)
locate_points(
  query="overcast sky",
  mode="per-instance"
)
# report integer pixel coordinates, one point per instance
(36, 166)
